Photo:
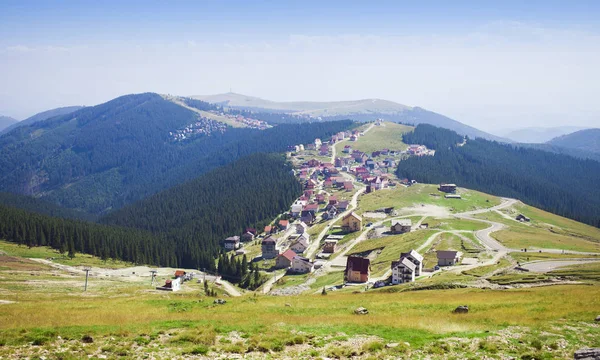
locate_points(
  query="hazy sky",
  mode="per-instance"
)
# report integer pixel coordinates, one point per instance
(489, 64)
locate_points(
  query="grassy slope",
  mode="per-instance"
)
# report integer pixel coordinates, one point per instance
(379, 138)
(418, 194)
(546, 230)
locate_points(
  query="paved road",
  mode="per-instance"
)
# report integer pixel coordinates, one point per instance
(545, 266)
(269, 284)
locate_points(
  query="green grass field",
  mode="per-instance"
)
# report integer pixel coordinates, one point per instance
(401, 197)
(388, 136)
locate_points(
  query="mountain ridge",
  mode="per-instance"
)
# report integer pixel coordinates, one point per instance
(360, 110)
(44, 115)
(6, 121)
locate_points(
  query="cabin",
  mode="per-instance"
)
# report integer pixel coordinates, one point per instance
(357, 269)
(403, 271)
(416, 259)
(300, 244)
(284, 261)
(329, 246)
(523, 218)
(301, 265)
(232, 243)
(269, 248)
(283, 224)
(347, 149)
(179, 274)
(401, 226)
(447, 188)
(247, 236)
(351, 222)
(348, 186)
(171, 285)
(300, 227)
(448, 257)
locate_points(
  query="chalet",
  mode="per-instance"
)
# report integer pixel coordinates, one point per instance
(401, 226)
(300, 227)
(403, 271)
(347, 149)
(300, 244)
(447, 257)
(320, 198)
(171, 285)
(343, 205)
(417, 150)
(308, 217)
(310, 184)
(379, 183)
(283, 224)
(361, 171)
(348, 185)
(351, 222)
(330, 213)
(269, 229)
(269, 248)
(447, 188)
(324, 150)
(329, 246)
(284, 261)
(179, 274)
(332, 200)
(353, 137)
(317, 142)
(313, 163)
(338, 162)
(357, 269)
(522, 218)
(341, 136)
(333, 139)
(310, 208)
(328, 183)
(252, 230)
(247, 236)
(301, 265)
(232, 243)
(416, 259)
(296, 209)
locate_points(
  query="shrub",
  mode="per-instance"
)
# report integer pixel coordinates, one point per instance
(372, 346)
(197, 350)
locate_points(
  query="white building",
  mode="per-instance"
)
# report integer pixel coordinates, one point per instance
(301, 265)
(416, 259)
(403, 271)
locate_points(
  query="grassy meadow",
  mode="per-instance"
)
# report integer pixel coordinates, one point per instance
(387, 136)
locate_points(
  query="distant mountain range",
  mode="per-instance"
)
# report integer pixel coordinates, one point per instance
(583, 140)
(6, 121)
(539, 135)
(360, 110)
(45, 115)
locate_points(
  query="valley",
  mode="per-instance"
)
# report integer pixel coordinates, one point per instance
(512, 274)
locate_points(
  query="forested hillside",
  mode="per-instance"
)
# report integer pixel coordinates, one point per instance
(557, 183)
(104, 157)
(40, 206)
(70, 236)
(201, 213)
(587, 140)
(44, 115)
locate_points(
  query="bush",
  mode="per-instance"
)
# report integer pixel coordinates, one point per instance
(372, 346)
(197, 350)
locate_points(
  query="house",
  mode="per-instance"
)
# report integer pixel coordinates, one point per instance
(403, 271)
(171, 285)
(310, 208)
(351, 222)
(338, 162)
(328, 183)
(416, 259)
(357, 269)
(232, 243)
(522, 218)
(284, 261)
(447, 188)
(329, 246)
(309, 193)
(401, 226)
(389, 162)
(347, 149)
(300, 244)
(320, 198)
(313, 163)
(317, 142)
(283, 224)
(252, 230)
(324, 150)
(307, 217)
(300, 227)
(379, 183)
(269, 229)
(343, 205)
(247, 236)
(310, 184)
(417, 150)
(269, 248)
(448, 257)
(179, 274)
(332, 200)
(301, 265)
(353, 137)
(330, 213)
(296, 209)
(348, 185)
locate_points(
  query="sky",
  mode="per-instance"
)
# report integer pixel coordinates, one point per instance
(494, 65)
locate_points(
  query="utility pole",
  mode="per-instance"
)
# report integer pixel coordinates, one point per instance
(153, 274)
(87, 271)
